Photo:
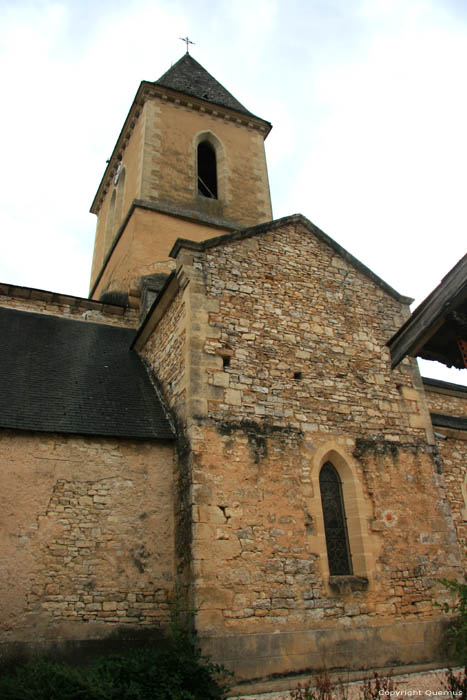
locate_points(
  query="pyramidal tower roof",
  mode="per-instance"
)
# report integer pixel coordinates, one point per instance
(189, 77)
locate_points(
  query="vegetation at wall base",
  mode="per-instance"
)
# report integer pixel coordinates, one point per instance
(321, 687)
(457, 635)
(177, 672)
(456, 683)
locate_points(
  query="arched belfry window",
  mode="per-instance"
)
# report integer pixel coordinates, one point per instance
(207, 170)
(335, 525)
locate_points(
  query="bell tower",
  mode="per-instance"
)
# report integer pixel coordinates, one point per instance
(189, 163)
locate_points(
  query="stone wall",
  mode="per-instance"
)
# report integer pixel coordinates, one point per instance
(88, 538)
(447, 401)
(43, 302)
(288, 339)
(170, 161)
(123, 192)
(453, 452)
(143, 248)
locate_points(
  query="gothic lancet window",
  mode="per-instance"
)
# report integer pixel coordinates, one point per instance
(207, 170)
(335, 526)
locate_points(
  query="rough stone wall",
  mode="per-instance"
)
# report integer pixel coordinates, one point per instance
(453, 452)
(306, 333)
(259, 533)
(449, 404)
(292, 371)
(165, 353)
(88, 537)
(43, 302)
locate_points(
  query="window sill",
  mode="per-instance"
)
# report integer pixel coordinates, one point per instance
(346, 584)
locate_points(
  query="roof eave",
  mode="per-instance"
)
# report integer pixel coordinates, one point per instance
(429, 316)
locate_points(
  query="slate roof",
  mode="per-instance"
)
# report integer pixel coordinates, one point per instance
(441, 384)
(189, 77)
(454, 422)
(67, 376)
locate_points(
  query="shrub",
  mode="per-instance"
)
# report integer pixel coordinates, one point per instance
(457, 638)
(457, 634)
(456, 684)
(177, 672)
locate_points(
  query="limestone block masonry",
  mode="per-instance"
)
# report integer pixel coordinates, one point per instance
(452, 446)
(41, 301)
(272, 353)
(87, 550)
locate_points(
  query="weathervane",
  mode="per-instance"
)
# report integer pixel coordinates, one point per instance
(187, 41)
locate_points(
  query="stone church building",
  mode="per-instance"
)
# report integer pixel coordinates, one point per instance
(222, 414)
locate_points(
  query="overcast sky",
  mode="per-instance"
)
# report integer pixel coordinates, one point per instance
(367, 98)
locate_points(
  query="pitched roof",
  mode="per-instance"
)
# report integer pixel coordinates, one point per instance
(436, 325)
(189, 77)
(67, 376)
(440, 420)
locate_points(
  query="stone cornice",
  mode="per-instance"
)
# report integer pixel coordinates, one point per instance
(148, 90)
(42, 295)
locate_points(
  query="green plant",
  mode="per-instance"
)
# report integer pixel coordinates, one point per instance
(456, 684)
(457, 634)
(45, 680)
(179, 671)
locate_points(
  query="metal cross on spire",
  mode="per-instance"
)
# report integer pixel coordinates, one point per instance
(187, 41)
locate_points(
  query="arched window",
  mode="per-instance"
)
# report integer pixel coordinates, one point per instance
(207, 170)
(335, 525)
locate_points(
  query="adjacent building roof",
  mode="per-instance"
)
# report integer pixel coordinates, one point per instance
(67, 376)
(435, 328)
(441, 420)
(189, 77)
(441, 386)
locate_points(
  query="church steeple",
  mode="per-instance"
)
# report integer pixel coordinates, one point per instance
(189, 163)
(189, 76)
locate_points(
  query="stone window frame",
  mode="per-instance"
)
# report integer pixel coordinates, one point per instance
(464, 498)
(358, 514)
(219, 150)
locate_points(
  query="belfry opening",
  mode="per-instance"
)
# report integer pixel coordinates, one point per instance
(207, 170)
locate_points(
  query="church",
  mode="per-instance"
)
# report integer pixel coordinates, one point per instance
(222, 417)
